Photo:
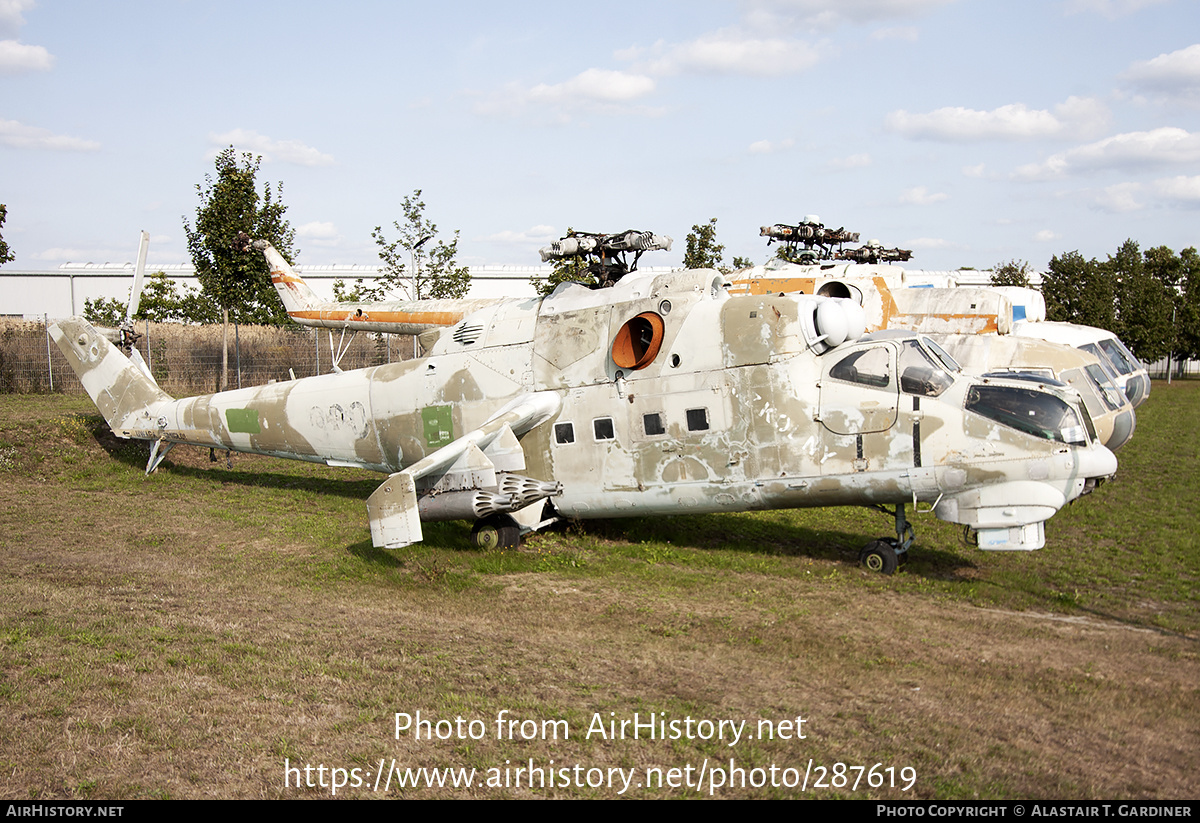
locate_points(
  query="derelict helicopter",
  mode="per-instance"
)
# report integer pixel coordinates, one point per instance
(988, 330)
(662, 394)
(903, 306)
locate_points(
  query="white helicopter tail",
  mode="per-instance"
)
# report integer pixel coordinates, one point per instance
(297, 297)
(124, 393)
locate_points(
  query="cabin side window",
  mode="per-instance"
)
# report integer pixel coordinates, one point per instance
(564, 432)
(652, 424)
(871, 367)
(697, 420)
(602, 428)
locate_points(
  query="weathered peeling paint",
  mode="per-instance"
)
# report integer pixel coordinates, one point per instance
(742, 407)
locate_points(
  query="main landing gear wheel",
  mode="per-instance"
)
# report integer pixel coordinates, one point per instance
(496, 531)
(879, 556)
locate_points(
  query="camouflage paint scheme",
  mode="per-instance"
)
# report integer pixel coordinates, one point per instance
(661, 395)
(975, 325)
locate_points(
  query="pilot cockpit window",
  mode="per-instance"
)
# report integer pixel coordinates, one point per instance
(564, 432)
(949, 362)
(1121, 357)
(1108, 390)
(871, 367)
(919, 374)
(1028, 410)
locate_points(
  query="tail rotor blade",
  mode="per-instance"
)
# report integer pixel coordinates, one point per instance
(135, 295)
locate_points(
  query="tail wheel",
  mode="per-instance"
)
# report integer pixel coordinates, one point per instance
(496, 531)
(879, 556)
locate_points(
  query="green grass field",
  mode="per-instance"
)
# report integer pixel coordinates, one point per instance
(186, 634)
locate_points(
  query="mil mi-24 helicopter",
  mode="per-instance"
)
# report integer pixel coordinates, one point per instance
(662, 394)
(988, 330)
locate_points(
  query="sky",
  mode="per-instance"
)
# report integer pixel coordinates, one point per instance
(971, 131)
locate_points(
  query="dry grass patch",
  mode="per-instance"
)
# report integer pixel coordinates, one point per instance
(182, 635)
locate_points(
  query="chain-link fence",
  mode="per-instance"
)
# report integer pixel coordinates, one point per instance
(186, 360)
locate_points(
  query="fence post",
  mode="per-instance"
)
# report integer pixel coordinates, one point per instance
(237, 347)
(49, 362)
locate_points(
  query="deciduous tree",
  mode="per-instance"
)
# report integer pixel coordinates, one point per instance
(1144, 302)
(239, 283)
(6, 255)
(1079, 291)
(412, 266)
(163, 301)
(702, 250)
(1012, 273)
(1187, 316)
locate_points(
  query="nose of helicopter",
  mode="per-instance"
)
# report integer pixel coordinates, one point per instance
(1095, 465)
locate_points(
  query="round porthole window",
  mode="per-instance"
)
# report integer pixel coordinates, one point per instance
(638, 341)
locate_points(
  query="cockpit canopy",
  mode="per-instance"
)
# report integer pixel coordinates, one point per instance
(1028, 410)
(923, 372)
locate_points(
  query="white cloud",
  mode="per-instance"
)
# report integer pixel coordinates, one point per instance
(16, 58)
(1181, 190)
(601, 85)
(19, 136)
(828, 14)
(1166, 192)
(1119, 198)
(921, 196)
(974, 171)
(732, 52)
(1075, 117)
(1139, 149)
(601, 92)
(854, 161)
(283, 151)
(1177, 72)
(320, 234)
(1045, 236)
(1109, 8)
(767, 147)
(930, 243)
(535, 234)
(11, 17)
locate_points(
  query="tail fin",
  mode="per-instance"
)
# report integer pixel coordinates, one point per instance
(295, 293)
(122, 392)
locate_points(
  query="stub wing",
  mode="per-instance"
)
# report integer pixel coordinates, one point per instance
(470, 478)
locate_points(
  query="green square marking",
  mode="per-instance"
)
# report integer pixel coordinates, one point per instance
(439, 425)
(242, 420)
